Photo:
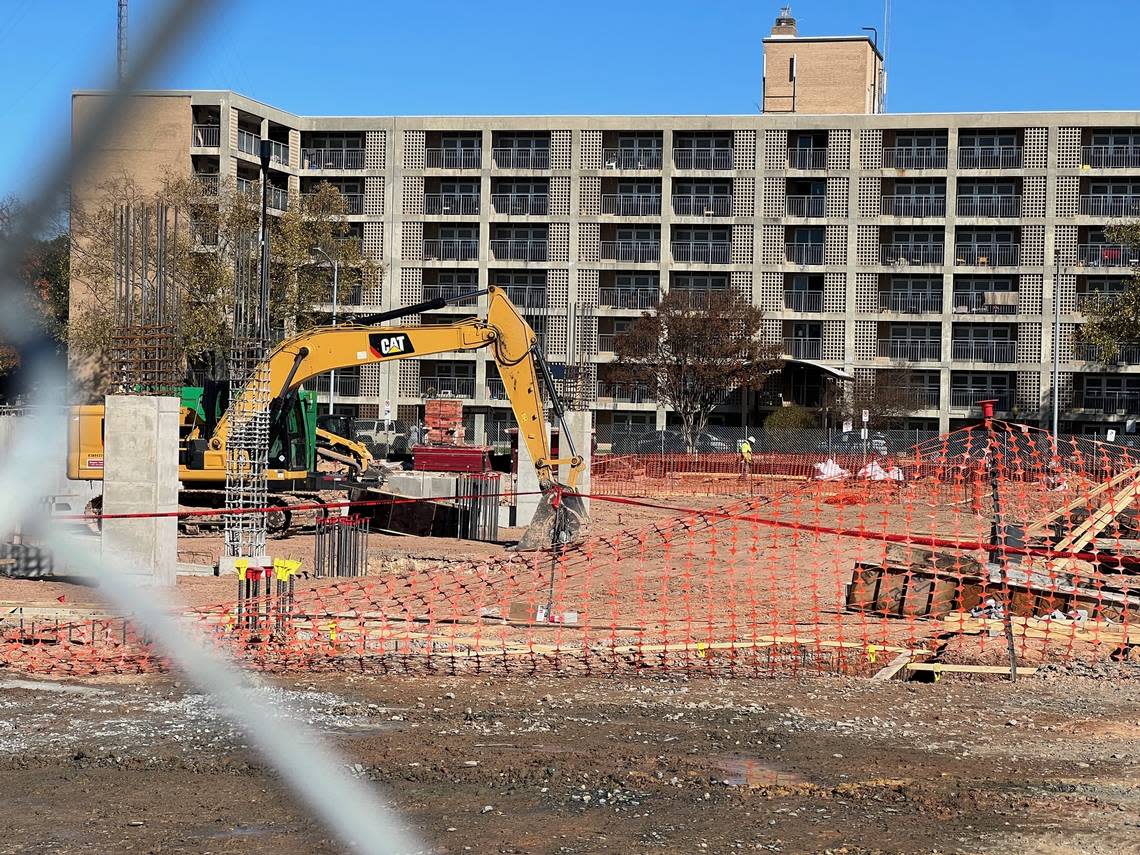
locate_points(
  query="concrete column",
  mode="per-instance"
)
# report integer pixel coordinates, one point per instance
(141, 476)
(527, 482)
(580, 423)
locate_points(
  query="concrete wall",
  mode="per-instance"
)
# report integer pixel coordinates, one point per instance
(141, 477)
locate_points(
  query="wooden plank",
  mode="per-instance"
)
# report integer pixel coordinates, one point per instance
(896, 665)
(944, 668)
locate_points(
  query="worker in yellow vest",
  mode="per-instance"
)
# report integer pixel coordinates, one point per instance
(746, 457)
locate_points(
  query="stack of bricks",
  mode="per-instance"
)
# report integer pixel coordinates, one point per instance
(444, 419)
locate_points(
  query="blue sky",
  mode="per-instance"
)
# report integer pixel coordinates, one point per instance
(586, 56)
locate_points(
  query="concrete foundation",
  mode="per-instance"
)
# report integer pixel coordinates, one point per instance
(580, 424)
(527, 483)
(421, 485)
(141, 477)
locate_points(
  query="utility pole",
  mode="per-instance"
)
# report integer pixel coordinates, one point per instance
(122, 43)
(263, 311)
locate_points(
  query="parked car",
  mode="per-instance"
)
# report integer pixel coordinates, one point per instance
(851, 442)
(673, 442)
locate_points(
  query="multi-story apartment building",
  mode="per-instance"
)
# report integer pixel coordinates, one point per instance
(934, 244)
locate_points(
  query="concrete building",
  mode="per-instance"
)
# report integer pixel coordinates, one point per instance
(931, 244)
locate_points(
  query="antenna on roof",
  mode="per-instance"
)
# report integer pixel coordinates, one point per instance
(886, 51)
(122, 42)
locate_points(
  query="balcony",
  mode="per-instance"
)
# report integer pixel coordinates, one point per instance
(910, 302)
(1127, 205)
(208, 183)
(248, 143)
(1115, 403)
(332, 158)
(807, 158)
(967, 398)
(631, 159)
(803, 348)
(347, 385)
(278, 198)
(629, 298)
(631, 205)
(453, 158)
(1095, 301)
(913, 206)
(451, 293)
(451, 204)
(1111, 156)
(702, 158)
(278, 153)
(907, 254)
(451, 249)
(985, 302)
(346, 295)
(527, 297)
(702, 206)
(989, 206)
(353, 202)
(1106, 255)
(606, 342)
(521, 204)
(631, 251)
(921, 399)
(804, 253)
(518, 250)
(206, 136)
(805, 206)
(910, 349)
(990, 157)
(984, 351)
(447, 387)
(701, 251)
(521, 158)
(1127, 353)
(987, 254)
(803, 301)
(626, 393)
(911, 157)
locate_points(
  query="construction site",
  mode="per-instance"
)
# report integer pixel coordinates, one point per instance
(236, 617)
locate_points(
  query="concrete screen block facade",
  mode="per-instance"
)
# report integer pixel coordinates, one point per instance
(931, 244)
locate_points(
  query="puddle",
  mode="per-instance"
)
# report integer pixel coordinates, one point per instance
(44, 686)
(754, 772)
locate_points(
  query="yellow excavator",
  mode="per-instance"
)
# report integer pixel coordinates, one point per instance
(560, 517)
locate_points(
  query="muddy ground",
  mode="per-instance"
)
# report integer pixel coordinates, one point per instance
(1048, 765)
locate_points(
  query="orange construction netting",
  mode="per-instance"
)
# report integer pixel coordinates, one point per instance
(985, 545)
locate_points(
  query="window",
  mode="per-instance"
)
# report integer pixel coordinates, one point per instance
(916, 237)
(986, 237)
(1123, 138)
(920, 285)
(459, 232)
(700, 281)
(691, 234)
(920, 188)
(459, 188)
(628, 233)
(920, 139)
(523, 142)
(808, 234)
(521, 187)
(979, 139)
(637, 281)
(703, 141)
(639, 188)
(330, 140)
(801, 282)
(640, 142)
(460, 142)
(914, 332)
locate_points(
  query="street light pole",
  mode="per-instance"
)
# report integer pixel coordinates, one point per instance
(1056, 340)
(335, 283)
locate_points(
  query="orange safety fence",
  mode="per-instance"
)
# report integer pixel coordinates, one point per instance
(983, 546)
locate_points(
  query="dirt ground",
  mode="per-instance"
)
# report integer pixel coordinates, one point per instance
(590, 766)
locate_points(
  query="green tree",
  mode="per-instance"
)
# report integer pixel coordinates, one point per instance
(1114, 319)
(791, 417)
(695, 350)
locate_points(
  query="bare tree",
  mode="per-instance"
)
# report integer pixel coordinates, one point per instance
(696, 349)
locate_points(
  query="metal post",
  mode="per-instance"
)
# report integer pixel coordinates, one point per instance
(1056, 342)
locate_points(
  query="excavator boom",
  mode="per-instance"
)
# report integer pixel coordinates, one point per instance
(514, 347)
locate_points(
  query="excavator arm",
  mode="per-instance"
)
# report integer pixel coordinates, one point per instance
(514, 347)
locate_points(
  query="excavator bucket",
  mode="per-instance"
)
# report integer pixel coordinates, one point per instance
(559, 519)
